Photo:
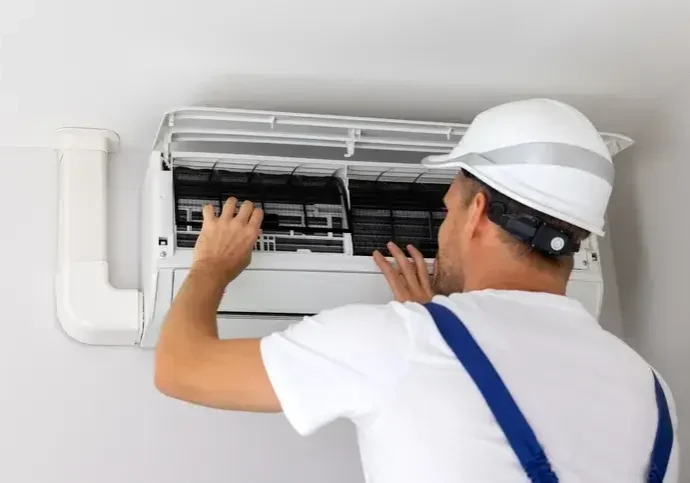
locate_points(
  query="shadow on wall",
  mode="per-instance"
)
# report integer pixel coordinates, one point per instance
(125, 178)
(627, 241)
(649, 242)
(610, 317)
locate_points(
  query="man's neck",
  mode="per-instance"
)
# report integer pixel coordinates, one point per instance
(517, 278)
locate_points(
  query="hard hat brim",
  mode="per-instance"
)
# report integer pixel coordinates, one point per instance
(495, 172)
(547, 154)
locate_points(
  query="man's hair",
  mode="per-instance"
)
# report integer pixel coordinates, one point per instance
(474, 186)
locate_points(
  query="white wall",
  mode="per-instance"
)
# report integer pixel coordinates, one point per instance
(651, 238)
(79, 414)
(121, 63)
(70, 412)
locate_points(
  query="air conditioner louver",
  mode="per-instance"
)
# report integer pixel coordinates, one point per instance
(302, 211)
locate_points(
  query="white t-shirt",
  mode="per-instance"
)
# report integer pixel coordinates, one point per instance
(419, 416)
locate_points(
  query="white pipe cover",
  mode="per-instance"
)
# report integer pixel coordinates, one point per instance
(89, 309)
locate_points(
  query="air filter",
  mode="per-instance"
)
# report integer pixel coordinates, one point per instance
(303, 212)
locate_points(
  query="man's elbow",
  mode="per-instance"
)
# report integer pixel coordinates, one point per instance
(170, 378)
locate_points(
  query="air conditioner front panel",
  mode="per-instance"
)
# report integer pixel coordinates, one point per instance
(287, 293)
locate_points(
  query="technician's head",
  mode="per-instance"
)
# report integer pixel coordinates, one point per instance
(535, 181)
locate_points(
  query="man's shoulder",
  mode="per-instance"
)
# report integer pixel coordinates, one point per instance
(374, 321)
(392, 313)
(371, 341)
(374, 333)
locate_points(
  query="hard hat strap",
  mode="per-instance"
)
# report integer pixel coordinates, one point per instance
(534, 232)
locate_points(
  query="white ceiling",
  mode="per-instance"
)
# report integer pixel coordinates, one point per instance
(120, 64)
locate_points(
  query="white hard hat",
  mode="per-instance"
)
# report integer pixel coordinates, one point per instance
(542, 153)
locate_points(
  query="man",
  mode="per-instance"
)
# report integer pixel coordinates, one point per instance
(534, 181)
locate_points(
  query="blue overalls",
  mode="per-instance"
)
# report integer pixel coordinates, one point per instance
(511, 420)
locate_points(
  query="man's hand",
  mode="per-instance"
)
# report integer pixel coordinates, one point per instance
(226, 242)
(409, 278)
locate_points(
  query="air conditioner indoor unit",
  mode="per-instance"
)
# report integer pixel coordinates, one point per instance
(333, 189)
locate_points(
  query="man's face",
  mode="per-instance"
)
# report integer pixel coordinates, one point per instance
(448, 267)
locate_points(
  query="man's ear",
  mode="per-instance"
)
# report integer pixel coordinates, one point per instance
(476, 215)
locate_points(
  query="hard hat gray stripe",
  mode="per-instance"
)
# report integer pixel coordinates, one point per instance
(552, 154)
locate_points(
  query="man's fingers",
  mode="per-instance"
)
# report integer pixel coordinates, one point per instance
(245, 211)
(392, 276)
(422, 269)
(229, 209)
(256, 218)
(208, 212)
(406, 267)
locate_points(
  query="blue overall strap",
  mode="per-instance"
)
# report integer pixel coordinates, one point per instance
(504, 408)
(663, 442)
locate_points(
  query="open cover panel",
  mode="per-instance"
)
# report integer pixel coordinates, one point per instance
(217, 128)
